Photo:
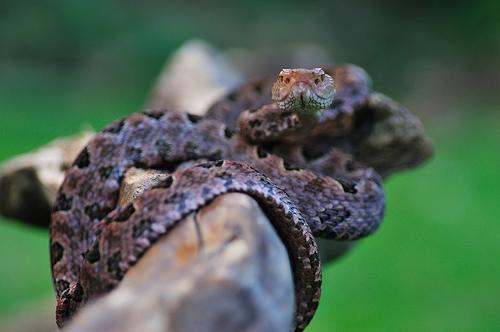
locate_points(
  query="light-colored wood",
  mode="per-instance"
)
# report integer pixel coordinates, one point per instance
(29, 182)
(193, 78)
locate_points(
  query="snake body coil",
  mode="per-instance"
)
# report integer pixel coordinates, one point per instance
(94, 240)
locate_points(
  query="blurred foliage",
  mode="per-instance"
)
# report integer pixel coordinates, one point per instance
(434, 263)
(110, 42)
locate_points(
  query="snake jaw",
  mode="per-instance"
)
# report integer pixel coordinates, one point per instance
(302, 99)
(303, 90)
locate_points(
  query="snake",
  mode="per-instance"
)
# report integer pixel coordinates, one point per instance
(258, 148)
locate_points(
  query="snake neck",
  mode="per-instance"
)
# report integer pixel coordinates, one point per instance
(308, 114)
(308, 119)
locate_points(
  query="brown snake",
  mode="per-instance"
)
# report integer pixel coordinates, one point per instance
(305, 184)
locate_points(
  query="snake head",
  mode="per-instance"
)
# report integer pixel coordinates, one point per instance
(303, 90)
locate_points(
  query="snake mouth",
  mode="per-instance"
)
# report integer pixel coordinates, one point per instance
(304, 101)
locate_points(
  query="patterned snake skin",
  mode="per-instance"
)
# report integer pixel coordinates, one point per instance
(304, 191)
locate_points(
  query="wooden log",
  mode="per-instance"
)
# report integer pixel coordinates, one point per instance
(396, 139)
(29, 182)
(193, 78)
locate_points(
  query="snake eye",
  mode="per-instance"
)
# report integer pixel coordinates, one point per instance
(322, 77)
(281, 78)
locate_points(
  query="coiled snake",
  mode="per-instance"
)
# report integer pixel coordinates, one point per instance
(273, 152)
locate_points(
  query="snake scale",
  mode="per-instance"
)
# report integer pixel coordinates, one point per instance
(272, 151)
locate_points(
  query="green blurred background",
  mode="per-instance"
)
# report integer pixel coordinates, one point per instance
(435, 263)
